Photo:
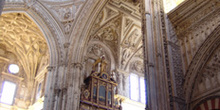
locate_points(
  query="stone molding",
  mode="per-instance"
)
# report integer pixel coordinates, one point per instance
(187, 14)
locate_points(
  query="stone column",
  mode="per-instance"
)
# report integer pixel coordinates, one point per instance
(155, 71)
(64, 79)
(74, 87)
(49, 89)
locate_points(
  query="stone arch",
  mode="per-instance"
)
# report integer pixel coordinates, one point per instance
(83, 26)
(209, 103)
(52, 33)
(132, 58)
(200, 59)
(54, 38)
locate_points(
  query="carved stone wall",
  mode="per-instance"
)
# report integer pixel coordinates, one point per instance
(196, 31)
(177, 76)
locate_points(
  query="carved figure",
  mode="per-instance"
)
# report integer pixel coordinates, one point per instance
(100, 64)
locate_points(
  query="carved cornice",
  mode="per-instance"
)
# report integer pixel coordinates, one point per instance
(191, 12)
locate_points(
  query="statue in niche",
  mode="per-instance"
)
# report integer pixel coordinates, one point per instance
(100, 65)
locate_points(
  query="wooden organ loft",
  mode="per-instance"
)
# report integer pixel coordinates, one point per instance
(99, 90)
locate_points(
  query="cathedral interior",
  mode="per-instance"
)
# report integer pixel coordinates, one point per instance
(109, 55)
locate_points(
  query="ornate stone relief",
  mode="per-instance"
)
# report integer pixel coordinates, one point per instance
(109, 25)
(130, 44)
(121, 33)
(137, 66)
(95, 51)
(193, 27)
(106, 16)
(128, 23)
(109, 34)
(208, 79)
(192, 40)
(110, 13)
(128, 6)
(65, 13)
(183, 22)
(140, 53)
(177, 69)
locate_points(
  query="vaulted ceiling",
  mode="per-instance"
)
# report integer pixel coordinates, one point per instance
(22, 38)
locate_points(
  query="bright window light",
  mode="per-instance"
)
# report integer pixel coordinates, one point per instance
(142, 89)
(13, 68)
(171, 4)
(134, 87)
(8, 92)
